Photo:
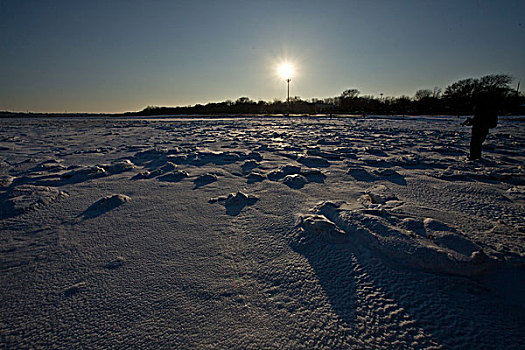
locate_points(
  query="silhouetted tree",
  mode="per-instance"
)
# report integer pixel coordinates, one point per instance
(462, 89)
(436, 93)
(427, 101)
(422, 94)
(348, 100)
(350, 93)
(242, 100)
(461, 93)
(495, 83)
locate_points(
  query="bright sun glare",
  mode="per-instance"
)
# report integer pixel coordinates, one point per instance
(286, 71)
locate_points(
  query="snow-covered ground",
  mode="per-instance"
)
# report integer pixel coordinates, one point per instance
(254, 233)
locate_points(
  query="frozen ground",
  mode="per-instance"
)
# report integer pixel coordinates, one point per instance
(260, 233)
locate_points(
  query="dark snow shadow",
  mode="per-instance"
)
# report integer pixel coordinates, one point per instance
(313, 161)
(248, 166)
(388, 174)
(235, 209)
(114, 264)
(104, 205)
(204, 180)
(254, 177)
(397, 179)
(7, 208)
(361, 174)
(333, 266)
(365, 285)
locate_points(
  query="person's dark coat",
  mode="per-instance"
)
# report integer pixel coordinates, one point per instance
(485, 117)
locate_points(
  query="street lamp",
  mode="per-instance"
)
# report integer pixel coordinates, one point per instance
(288, 98)
(286, 71)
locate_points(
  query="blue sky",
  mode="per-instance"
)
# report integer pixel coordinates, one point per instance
(113, 56)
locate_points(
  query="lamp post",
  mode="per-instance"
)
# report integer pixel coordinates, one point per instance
(286, 71)
(288, 95)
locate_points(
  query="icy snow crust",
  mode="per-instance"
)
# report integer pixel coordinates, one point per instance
(256, 233)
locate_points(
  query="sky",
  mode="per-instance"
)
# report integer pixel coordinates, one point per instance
(123, 55)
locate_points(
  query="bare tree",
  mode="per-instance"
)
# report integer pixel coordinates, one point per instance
(422, 94)
(437, 92)
(350, 93)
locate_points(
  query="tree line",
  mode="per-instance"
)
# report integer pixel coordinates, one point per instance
(456, 99)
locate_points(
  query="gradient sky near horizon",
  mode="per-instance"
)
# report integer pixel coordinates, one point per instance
(114, 56)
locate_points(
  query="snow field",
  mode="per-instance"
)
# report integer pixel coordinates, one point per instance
(260, 233)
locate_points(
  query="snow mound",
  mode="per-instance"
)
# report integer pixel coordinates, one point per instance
(313, 161)
(50, 165)
(517, 193)
(203, 157)
(289, 169)
(413, 225)
(255, 177)
(295, 181)
(390, 175)
(323, 141)
(105, 204)
(174, 176)
(377, 196)
(146, 156)
(92, 172)
(154, 158)
(404, 160)
(6, 181)
(314, 226)
(440, 249)
(235, 202)
(85, 173)
(119, 166)
(276, 175)
(313, 175)
(24, 198)
(146, 174)
(514, 175)
(385, 172)
(249, 165)
(317, 151)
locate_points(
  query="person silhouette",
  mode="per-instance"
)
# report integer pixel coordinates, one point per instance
(485, 117)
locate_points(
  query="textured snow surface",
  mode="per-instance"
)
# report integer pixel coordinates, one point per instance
(254, 233)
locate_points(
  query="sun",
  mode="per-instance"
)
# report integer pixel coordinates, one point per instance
(286, 71)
